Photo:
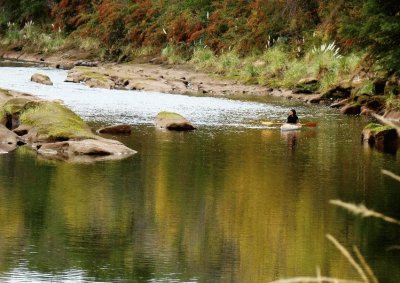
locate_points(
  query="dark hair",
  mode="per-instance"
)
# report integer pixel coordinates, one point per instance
(294, 112)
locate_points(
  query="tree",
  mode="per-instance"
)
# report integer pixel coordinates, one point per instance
(377, 28)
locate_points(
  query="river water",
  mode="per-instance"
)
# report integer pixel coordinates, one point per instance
(232, 201)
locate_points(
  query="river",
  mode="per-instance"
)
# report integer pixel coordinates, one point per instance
(233, 201)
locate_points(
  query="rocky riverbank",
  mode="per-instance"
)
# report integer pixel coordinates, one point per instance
(150, 76)
(52, 130)
(357, 96)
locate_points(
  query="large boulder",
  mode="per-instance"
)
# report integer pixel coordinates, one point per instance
(384, 138)
(351, 109)
(116, 130)
(173, 121)
(90, 78)
(41, 79)
(8, 140)
(53, 130)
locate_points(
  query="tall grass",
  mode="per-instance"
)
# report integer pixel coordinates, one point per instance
(32, 38)
(171, 55)
(279, 66)
(393, 103)
(203, 58)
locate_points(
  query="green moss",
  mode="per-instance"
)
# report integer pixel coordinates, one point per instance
(377, 128)
(17, 105)
(89, 74)
(168, 115)
(56, 121)
(366, 88)
(393, 103)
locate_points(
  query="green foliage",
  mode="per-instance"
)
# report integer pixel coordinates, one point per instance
(375, 27)
(377, 128)
(21, 11)
(170, 54)
(116, 27)
(393, 103)
(32, 38)
(203, 57)
(228, 63)
(367, 88)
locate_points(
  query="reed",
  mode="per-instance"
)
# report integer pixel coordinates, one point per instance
(363, 211)
(317, 279)
(349, 257)
(390, 174)
(365, 265)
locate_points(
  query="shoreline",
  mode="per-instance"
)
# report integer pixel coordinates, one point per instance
(173, 79)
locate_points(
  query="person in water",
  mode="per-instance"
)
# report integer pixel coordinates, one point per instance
(292, 118)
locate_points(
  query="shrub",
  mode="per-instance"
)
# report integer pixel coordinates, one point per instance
(203, 57)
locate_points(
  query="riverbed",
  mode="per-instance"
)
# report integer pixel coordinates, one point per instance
(233, 201)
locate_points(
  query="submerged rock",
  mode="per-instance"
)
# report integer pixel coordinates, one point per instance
(90, 147)
(116, 130)
(173, 121)
(41, 79)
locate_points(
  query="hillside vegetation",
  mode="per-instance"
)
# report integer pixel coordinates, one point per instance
(270, 42)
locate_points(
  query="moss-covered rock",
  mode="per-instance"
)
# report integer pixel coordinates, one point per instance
(380, 136)
(56, 121)
(91, 78)
(173, 121)
(53, 130)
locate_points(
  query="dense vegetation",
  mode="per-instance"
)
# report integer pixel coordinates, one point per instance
(274, 42)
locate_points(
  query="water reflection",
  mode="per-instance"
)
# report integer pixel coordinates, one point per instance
(219, 206)
(291, 138)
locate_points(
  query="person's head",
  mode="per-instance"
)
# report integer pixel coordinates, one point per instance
(292, 112)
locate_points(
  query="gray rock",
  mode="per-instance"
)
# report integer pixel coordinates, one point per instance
(41, 79)
(8, 140)
(86, 63)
